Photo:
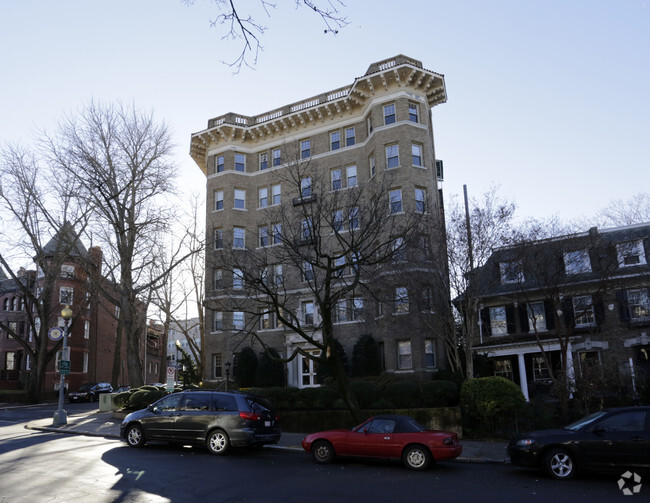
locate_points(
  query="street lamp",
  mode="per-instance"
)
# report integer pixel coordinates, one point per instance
(227, 374)
(61, 416)
(178, 347)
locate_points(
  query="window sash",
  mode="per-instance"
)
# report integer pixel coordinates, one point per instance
(220, 163)
(276, 193)
(218, 200)
(498, 322)
(395, 197)
(336, 179)
(416, 154)
(392, 156)
(264, 161)
(263, 197)
(638, 303)
(335, 140)
(351, 174)
(350, 137)
(238, 237)
(389, 114)
(413, 112)
(537, 316)
(240, 162)
(404, 358)
(420, 195)
(240, 199)
(583, 311)
(277, 157)
(305, 149)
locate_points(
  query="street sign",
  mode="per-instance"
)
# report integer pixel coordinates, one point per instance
(171, 377)
(64, 367)
(55, 333)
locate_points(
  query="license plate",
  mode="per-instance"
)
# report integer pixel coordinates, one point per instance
(267, 423)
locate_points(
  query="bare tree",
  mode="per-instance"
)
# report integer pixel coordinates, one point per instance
(323, 245)
(490, 222)
(40, 218)
(120, 161)
(242, 25)
(636, 210)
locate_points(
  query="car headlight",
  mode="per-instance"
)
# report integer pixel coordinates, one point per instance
(525, 442)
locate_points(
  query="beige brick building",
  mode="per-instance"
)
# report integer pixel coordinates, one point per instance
(376, 136)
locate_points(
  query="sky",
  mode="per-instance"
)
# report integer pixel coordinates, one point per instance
(547, 100)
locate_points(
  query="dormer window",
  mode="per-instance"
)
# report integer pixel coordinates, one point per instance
(511, 272)
(577, 262)
(630, 253)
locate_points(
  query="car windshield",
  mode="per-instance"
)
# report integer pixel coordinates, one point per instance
(86, 387)
(584, 421)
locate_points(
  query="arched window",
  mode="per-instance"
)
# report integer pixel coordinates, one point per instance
(5, 305)
(14, 303)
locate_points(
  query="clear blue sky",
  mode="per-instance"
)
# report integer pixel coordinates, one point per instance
(548, 99)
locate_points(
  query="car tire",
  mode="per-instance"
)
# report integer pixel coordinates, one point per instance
(416, 457)
(218, 442)
(560, 464)
(135, 436)
(322, 452)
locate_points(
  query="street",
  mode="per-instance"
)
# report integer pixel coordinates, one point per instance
(53, 467)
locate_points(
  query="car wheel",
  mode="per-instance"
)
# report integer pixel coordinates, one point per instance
(91, 398)
(218, 442)
(416, 457)
(559, 464)
(135, 436)
(322, 451)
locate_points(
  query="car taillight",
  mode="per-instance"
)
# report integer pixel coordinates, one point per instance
(249, 416)
(449, 441)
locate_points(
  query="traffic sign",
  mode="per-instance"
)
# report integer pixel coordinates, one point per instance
(55, 333)
(64, 367)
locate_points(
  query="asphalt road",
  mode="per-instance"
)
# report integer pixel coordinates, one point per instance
(52, 467)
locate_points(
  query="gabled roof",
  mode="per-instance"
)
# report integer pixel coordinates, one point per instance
(67, 241)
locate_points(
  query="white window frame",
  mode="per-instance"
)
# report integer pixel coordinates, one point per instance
(66, 295)
(395, 201)
(305, 187)
(536, 316)
(217, 321)
(631, 253)
(240, 162)
(86, 329)
(372, 165)
(305, 148)
(335, 140)
(219, 164)
(217, 279)
(392, 156)
(351, 176)
(429, 353)
(237, 279)
(389, 114)
(307, 312)
(263, 235)
(218, 238)
(420, 199)
(240, 199)
(498, 321)
(264, 161)
(414, 116)
(583, 311)
(638, 303)
(401, 300)
(238, 320)
(84, 369)
(276, 194)
(404, 355)
(239, 240)
(337, 182)
(350, 136)
(416, 155)
(263, 197)
(276, 155)
(218, 200)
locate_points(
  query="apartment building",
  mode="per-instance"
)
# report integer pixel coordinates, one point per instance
(582, 299)
(340, 155)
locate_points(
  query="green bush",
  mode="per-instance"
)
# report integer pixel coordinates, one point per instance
(490, 405)
(366, 392)
(280, 398)
(142, 398)
(439, 393)
(246, 368)
(403, 394)
(270, 370)
(121, 399)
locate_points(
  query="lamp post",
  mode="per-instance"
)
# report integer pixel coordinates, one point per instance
(178, 347)
(61, 416)
(227, 374)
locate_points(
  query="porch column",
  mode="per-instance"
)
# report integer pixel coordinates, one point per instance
(523, 378)
(570, 377)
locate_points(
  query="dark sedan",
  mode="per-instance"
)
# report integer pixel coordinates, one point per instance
(385, 436)
(90, 392)
(609, 440)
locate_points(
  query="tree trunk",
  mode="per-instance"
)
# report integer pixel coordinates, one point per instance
(117, 359)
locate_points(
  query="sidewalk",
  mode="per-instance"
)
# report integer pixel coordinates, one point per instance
(103, 424)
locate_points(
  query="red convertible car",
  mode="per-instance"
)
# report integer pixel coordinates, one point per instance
(385, 436)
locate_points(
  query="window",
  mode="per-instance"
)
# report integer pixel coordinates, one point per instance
(263, 193)
(498, 322)
(413, 112)
(349, 137)
(336, 179)
(426, 300)
(392, 156)
(511, 272)
(389, 114)
(238, 240)
(307, 271)
(67, 271)
(337, 221)
(401, 300)
(237, 279)
(399, 251)
(240, 199)
(395, 198)
(638, 304)
(277, 234)
(85, 363)
(276, 193)
(537, 316)
(264, 161)
(369, 124)
(238, 320)
(630, 253)
(305, 149)
(373, 166)
(356, 313)
(577, 262)
(353, 218)
(420, 198)
(416, 154)
(266, 321)
(335, 140)
(278, 276)
(540, 369)
(217, 279)
(218, 239)
(429, 353)
(340, 266)
(217, 321)
(264, 235)
(503, 368)
(307, 310)
(305, 187)
(277, 157)
(86, 329)
(351, 176)
(309, 370)
(240, 162)
(341, 311)
(10, 360)
(583, 311)
(307, 230)
(220, 164)
(66, 295)
(218, 200)
(404, 360)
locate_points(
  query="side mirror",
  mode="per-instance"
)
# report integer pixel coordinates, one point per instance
(365, 430)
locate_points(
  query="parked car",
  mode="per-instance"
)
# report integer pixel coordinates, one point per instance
(124, 387)
(218, 419)
(90, 392)
(386, 436)
(609, 440)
